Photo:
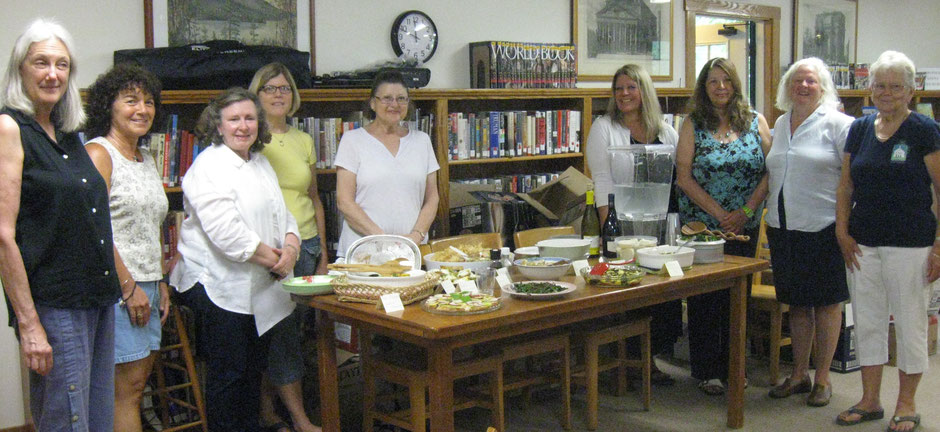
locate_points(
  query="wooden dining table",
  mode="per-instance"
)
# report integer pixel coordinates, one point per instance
(440, 335)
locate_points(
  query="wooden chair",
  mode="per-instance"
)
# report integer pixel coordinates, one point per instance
(415, 379)
(764, 299)
(532, 236)
(182, 390)
(526, 347)
(594, 364)
(488, 240)
(424, 249)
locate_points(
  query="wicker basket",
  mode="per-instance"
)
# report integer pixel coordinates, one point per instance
(367, 293)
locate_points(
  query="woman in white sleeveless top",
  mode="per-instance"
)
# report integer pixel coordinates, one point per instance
(122, 104)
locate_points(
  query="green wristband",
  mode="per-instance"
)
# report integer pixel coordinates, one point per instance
(747, 211)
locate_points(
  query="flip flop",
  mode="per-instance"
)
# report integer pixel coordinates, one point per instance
(901, 419)
(864, 416)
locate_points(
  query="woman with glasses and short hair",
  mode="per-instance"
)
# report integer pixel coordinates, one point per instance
(889, 237)
(386, 174)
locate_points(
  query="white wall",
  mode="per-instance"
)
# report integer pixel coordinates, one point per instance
(12, 411)
(909, 26)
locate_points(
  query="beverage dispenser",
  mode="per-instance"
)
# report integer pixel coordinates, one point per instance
(642, 176)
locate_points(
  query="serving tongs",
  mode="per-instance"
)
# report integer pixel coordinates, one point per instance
(697, 227)
(388, 268)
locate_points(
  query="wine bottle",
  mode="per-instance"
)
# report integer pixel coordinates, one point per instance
(611, 230)
(590, 226)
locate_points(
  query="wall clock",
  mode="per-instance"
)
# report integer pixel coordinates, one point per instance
(414, 36)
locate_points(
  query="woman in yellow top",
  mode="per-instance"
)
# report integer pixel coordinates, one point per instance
(293, 158)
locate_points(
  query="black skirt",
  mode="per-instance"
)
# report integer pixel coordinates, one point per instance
(808, 267)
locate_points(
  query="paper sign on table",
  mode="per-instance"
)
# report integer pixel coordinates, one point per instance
(392, 303)
(448, 286)
(674, 269)
(503, 281)
(503, 271)
(468, 286)
(578, 265)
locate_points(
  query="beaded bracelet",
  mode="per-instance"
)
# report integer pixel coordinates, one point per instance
(747, 211)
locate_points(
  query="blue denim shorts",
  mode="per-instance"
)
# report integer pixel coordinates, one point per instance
(133, 343)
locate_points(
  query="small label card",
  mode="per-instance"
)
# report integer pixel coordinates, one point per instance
(503, 281)
(392, 303)
(503, 271)
(578, 265)
(468, 286)
(674, 269)
(448, 286)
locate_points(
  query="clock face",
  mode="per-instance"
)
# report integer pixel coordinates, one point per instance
(414, 36)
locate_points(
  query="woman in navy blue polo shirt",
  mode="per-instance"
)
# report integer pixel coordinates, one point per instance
(56, 255)
(889, 236)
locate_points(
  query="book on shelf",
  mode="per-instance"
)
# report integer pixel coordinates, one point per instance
(513, 183)
(502, 64)
(866, 110)
(926, 108)
(173, 151)
(493, 134)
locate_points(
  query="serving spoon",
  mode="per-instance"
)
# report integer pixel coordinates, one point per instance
(698, 227)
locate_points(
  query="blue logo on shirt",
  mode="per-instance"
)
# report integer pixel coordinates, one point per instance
(899, 154)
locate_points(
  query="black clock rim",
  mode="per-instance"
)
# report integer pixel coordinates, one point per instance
(394, 33)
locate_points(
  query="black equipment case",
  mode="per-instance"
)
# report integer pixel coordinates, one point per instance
(217, 64)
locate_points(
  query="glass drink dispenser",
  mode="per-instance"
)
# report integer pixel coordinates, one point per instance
(642, 175)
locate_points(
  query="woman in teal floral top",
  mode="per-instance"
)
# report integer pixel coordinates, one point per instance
(720, 171)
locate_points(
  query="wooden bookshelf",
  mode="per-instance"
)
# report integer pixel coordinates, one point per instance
(854, 100)
(335, 102)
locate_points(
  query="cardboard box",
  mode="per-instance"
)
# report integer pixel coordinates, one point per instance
(467, 214)
(845, 360)
(561, 200)
(347, 337)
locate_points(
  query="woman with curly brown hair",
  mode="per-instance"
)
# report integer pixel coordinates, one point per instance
(720, 170)
(122, 105)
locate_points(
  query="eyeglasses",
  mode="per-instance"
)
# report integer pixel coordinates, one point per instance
(270, 89)
(387, 100)
(894, 88)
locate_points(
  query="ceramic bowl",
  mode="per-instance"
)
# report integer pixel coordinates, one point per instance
(570, 248)
(413, 277)
(476, 266)
(544, 268)
(655, 257)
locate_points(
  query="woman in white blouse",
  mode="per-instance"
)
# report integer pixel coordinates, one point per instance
(237, 241)
(804, 164)
(634, 118)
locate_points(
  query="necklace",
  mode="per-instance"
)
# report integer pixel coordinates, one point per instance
(725, 139)
(134, 154)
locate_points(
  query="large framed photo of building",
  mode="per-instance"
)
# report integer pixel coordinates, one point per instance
(826, 29)
(284, 23)
(612, 33)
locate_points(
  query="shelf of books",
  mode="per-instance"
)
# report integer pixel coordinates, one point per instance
(523, 136)
(858, 102)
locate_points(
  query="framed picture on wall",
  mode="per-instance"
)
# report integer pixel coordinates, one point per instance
(611, 33)
(826, 29)
(284, 23)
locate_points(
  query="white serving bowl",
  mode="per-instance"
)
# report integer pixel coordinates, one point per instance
(656, 257)
(708, 252)
(570, 248)
(553, 269)
(476, 266)
(526, 252)
(414, 277)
